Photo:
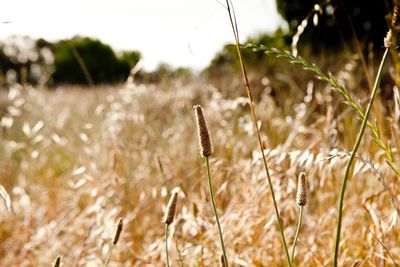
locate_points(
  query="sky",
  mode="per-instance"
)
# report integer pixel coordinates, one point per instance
(184, 33)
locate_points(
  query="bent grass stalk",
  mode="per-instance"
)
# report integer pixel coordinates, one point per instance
(353, 104)
(342, 90)
(257, 130)
(297, 232)
(384, 247)
(353, 154)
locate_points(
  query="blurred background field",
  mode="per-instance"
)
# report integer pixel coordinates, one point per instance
(88, 134)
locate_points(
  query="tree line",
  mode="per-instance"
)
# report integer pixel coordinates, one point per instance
(333, 24)
(78, 60)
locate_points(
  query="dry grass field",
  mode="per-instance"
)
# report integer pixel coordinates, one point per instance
(73, 161)
(114, 175)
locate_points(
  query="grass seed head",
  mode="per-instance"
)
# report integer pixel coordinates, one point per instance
(118, 232)
(204, 135)
(388, 39)
(394, 23)
(301, 196)
(170, 211)
(222, 260)
(57, 262)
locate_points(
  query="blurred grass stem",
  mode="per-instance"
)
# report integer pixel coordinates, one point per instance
(109, 255)
(254, 117)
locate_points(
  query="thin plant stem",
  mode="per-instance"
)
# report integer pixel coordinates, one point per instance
(109, 255)
(215, 210)
(166, 244)
(349, 101)
(254, 117)
(353, 154)
(83, 66)
(297, 232)
(384, 247)
(179, 251)
(338, 89)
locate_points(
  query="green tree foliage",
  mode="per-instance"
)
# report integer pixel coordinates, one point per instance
(79, 60)
(5, 62)
(337, 17)
(225, 72)
(132, 57)
(165, 73)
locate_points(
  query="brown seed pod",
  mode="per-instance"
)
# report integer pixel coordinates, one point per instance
(118, 232)
(222, 260)
(301, 196)
(57, 262)
(170, 211)
(204, 135)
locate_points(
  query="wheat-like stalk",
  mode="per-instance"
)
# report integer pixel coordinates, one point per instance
(206, 151)
(205, 142)
(301, 200)
(375, 170)
(349, 101)
(301, 196)
(340, 89)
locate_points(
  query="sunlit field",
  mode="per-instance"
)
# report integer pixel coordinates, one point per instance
(283, 151)
(74, 161)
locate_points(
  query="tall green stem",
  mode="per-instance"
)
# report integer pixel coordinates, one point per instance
(353, 154)
(297, 232)
(215, 211)
(255, 124)
(166, 244)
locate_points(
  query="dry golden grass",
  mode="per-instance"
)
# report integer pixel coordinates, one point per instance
(74, 162)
